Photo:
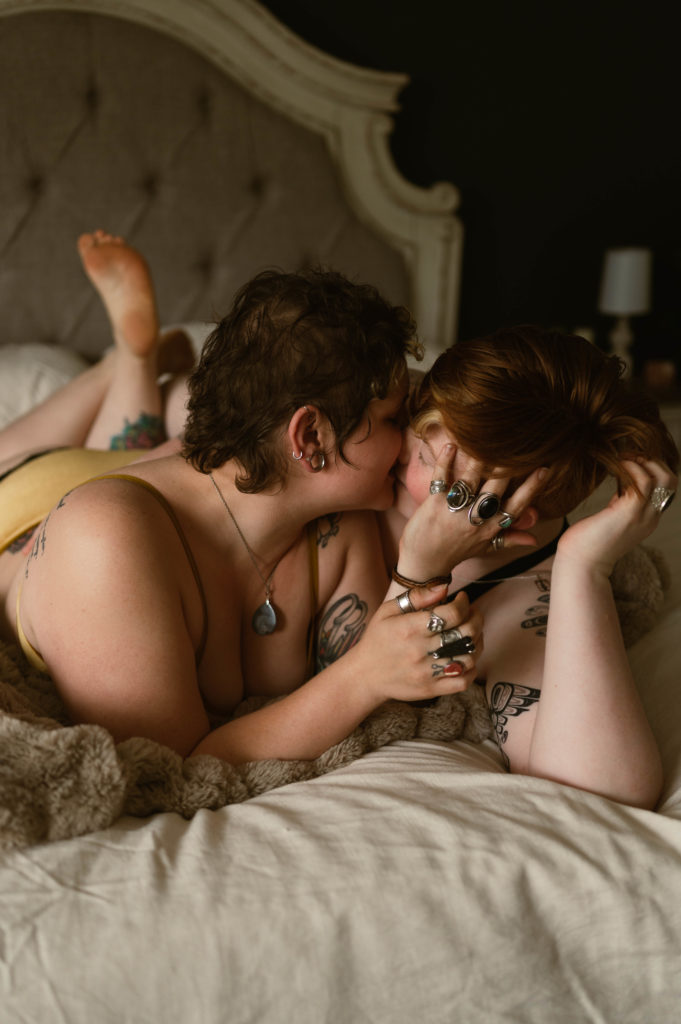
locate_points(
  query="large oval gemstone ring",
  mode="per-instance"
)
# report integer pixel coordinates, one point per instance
(484, 507)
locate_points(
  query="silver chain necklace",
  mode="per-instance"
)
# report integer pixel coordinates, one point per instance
(264, 619)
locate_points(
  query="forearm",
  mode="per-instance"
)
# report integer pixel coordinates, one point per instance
(591, 730)
(302, 725)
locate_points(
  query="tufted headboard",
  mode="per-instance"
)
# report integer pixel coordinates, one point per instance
(218, 143)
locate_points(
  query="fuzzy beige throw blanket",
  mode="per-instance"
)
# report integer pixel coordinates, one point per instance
(59, 780)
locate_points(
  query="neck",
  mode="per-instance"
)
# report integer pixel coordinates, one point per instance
(270, 522)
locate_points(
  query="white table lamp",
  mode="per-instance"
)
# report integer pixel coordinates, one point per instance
(625, 292)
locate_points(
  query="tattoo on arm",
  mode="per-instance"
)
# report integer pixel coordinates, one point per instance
(508, 700)
(340, 629)
(327, 527)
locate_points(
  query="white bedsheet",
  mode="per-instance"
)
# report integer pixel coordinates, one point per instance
(422, 882)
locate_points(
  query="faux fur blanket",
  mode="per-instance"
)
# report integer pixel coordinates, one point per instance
(59, 780)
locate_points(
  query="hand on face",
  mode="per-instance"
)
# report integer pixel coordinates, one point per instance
(629, 518)
(409, 657)
(437, 537)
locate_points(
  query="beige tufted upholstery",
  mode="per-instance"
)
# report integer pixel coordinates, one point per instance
(106, 123)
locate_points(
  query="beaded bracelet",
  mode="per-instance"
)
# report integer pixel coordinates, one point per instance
(404, 581)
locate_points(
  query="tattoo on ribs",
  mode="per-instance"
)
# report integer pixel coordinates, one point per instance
(340, 629)
(508, 700)
(326, 532)
(538, 616)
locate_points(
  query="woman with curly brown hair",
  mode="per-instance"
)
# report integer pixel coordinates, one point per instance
(558, 681)
(160, 597)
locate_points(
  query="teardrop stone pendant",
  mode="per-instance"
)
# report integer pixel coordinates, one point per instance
(264, 619)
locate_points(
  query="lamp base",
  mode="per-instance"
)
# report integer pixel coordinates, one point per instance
(621, 339)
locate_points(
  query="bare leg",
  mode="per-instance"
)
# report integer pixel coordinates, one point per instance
(130, 413)
(117, 402)
(62, 420)
(175, 396)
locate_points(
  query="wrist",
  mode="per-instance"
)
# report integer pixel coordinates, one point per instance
(582, 568)
(411, 566)
(408, 581)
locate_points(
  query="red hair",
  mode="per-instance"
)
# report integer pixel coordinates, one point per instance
(525, 397)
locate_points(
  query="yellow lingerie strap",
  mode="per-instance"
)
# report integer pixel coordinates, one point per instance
(27, 647)
(34, 657)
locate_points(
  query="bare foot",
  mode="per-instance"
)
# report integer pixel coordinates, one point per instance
(121, 276)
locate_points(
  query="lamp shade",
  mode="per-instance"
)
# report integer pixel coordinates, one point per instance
(625, 285)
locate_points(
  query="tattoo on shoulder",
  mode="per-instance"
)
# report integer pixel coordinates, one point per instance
(39, 536)
(327, 527)
(20, 545)
(340, 629)
(508, 700)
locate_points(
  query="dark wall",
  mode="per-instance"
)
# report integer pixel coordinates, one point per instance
(559, 122)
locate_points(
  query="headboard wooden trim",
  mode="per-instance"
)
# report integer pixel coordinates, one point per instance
(350, 106)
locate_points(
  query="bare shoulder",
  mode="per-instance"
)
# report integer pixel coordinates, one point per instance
(348, 544)
(107, 516)
(104, 603)
(100, 543)
(346, 529)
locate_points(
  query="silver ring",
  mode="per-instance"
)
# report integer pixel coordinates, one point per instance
(485, 507)
(435, 624)
(448, 636)
(404, 603)
(497, 542)
(460, 496)
(661, 498)
(506, 520)
(438, 486)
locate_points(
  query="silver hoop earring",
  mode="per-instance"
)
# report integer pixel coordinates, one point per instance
(319, 461)
(297, 457)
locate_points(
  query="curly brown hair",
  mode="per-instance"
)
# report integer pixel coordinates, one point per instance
(290, 340)
(525, 397)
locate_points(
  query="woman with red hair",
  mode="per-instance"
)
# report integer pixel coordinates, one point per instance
(492, 410)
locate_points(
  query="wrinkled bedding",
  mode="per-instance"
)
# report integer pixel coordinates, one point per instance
(420, 881)
(59, 780)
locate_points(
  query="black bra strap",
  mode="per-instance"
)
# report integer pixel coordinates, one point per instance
(515, 568)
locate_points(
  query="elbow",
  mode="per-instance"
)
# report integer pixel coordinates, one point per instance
(641, 787)
(647, 794)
